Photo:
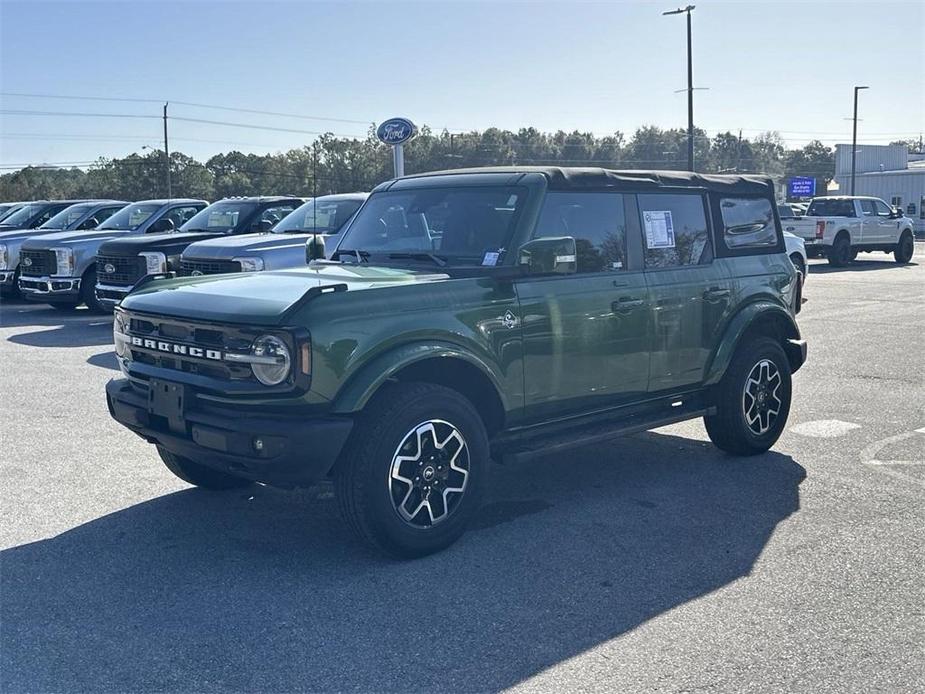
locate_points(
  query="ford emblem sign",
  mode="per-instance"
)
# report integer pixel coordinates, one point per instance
(27, 261)
(109, 268)
(396, 131)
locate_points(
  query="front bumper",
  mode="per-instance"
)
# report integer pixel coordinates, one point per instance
(294, 450)
(109, 295)
(49, 288)
(7, 278)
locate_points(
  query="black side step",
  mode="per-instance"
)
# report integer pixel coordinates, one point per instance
(517, 451)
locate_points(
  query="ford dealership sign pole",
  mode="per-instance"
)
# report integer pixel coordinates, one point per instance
(396, 132)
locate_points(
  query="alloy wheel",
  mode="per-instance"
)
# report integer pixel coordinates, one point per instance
(429, 473)
(761, 402)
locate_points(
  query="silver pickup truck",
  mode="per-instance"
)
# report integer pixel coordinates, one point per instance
(60, 269)
(282, 247)
(840, 227)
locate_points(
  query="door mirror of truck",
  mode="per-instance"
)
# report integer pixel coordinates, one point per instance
(264, 225)
(557, 255)
(314, 248)
(161, 225)
(91, 223)
(896, 213)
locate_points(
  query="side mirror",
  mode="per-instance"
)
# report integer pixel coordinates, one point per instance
(314, 248)
(549, 255)
(896, 213)
(264, 225)
(91, 223)
(161, 225)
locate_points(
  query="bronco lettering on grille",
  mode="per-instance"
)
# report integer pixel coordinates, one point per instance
(174, 348)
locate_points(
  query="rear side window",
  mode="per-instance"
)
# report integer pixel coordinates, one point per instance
(820, 207)
(597, 222)
(748, 223)
(674, 228)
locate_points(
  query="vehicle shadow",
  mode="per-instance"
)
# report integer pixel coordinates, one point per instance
(264, 590)
(859, 265)
(105, 360)
(85, 333)
(23, 314)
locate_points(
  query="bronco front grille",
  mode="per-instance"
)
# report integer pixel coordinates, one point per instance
(37, 263)
(208, 267)
(166, 344)
(119, 270)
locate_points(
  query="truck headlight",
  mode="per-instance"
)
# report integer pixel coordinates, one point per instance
(270, 360)
(65, 259)
(4, 257)
(119, 336)
(154, 262)
(250, 264)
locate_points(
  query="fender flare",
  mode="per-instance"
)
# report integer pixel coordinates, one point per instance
(369, 377)
(738, 326)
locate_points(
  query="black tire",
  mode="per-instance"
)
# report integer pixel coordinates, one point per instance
(853, 255)
(905, 249)
(368, 494)
(200, 475)
(88, 293)
(729, 428)
(65, 306)
(839, 255)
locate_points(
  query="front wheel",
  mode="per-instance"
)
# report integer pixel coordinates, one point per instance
(88, 293)
(410, 480)
(839, 255)
(753, 399)
(200, 475)
(902, 254)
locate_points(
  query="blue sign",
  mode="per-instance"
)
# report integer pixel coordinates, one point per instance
(396, 131)
(801, 187)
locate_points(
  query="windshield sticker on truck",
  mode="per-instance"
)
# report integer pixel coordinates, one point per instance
(491, 258)
(659, 229)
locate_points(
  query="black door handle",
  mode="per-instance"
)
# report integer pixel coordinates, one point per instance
(715, 294)
(625, 304)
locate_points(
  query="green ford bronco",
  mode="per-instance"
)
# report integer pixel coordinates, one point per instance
(465, 316)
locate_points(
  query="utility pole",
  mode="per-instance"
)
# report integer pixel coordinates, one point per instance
(690, 86)
(167, 154)
(854, 136)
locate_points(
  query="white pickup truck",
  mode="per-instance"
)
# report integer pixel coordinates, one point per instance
(841, 227)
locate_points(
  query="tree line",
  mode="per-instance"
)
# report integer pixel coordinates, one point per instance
(336, 165)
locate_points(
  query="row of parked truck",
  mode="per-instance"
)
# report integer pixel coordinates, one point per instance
(71, 252)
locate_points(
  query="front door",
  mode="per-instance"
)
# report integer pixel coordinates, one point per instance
(886, 225)
(690, 294)
(585, 335)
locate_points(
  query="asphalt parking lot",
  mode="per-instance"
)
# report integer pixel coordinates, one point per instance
(652, 564)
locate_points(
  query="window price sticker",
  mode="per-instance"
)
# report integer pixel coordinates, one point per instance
(659, 229)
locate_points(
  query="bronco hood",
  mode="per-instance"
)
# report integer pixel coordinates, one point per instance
(259, 298)
(170, 243)
(228, 247)
(66, 238)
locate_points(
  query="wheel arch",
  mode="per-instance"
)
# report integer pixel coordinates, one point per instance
(761, 318)
(439, 363)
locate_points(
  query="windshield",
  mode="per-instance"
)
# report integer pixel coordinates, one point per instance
(220, 218)
(5, 210)
(323, 217)
(67, 216)
(21, 216)
(455, 223)
(831, 208)
(130, 217)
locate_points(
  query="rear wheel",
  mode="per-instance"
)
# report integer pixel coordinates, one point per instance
(904, 249)
(65, 306)
(839, 255)
(411, 477)
(200, 475)
(753, 399)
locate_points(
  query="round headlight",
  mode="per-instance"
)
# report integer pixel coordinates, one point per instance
(119, 338)
(274, 364)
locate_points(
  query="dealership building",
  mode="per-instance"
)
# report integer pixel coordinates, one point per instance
(889, 172)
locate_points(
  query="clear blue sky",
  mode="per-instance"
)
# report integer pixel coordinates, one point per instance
(600, 67)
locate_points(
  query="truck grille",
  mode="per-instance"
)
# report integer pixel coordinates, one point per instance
(164, 340)
(37, 263)
(126, 270)
(208, 267)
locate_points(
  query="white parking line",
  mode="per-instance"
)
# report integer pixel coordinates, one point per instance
(824, 428)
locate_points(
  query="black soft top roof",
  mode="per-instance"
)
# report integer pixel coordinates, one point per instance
(576, 178)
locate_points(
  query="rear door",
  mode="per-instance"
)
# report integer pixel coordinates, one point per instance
(585, 335)
(870, 224)
(689, 293)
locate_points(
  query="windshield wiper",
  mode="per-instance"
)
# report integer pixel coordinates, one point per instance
(419, 256)
(361, 256)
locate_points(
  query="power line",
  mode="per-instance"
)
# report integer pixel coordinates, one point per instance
(260, 127)
(16, 112)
